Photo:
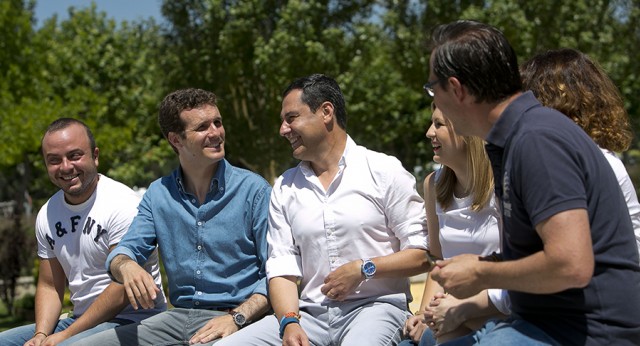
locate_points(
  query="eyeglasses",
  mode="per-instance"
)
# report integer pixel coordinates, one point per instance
(428, 87)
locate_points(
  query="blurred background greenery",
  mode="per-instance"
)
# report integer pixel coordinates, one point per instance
(112, 75)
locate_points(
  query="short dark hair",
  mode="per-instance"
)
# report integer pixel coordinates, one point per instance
(318, 88)
(479, 56)
(63, 123)
(179, 101)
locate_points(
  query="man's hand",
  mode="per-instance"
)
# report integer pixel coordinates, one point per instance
(55, 339)
(414, 326)
(36, 340)
(294, 336)
(459, 275)
(138, 283)
(217, 327)
(343, 281)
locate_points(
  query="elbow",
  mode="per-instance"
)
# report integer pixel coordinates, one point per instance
(579, 275)
(582, 278)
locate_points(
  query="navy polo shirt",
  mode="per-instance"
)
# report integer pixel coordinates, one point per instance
(544, 164)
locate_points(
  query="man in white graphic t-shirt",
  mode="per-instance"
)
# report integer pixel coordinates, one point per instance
(76, 229)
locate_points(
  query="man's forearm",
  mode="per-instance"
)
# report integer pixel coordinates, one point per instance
(566, 260)
(108, 304)
(255, 307)
(48, 307)
(404, 263)
(49, 294)
(116, 266)
(533, 274)
(284, 297)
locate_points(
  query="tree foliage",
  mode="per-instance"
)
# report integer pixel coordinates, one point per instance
(112, 75)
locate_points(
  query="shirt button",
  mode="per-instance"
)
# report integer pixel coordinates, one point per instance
(199, 223)
(197, 272)
(197, 303)
(193, 201)
(199, 293)
(199, 247)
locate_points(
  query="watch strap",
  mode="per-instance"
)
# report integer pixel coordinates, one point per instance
(286, 321)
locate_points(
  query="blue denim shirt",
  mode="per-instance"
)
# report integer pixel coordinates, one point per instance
(214, 254)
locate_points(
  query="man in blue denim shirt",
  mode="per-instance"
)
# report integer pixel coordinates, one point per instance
(209, 220)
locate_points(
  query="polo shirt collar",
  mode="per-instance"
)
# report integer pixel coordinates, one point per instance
(502, 129)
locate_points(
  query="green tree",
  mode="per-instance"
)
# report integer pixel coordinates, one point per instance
(16, 60)
(248, 51)
(606, 30)
(109, 73)
(86, 67)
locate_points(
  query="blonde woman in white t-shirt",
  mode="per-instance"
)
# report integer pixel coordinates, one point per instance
(462, 218)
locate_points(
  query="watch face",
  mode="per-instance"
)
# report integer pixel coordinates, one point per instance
(239, 319)
(369, 268)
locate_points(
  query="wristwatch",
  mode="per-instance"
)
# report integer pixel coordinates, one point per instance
(431, 259)
(368, 268)
(238, 318)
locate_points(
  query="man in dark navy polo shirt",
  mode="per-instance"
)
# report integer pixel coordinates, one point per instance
(569, 259)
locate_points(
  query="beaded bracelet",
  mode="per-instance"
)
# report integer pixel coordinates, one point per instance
(292, 314)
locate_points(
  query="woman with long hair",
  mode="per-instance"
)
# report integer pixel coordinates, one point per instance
(462, 218)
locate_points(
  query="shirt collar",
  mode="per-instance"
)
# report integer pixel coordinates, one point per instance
(218, 181)
(503, 128)
(305, 166)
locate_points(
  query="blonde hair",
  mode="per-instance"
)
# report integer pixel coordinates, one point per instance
(481, 187)
(567, 80)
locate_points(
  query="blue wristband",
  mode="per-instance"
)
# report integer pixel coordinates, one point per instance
(285, 321)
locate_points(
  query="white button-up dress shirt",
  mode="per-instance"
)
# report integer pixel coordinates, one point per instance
(370, 209)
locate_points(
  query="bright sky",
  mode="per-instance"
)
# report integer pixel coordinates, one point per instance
(118, 9)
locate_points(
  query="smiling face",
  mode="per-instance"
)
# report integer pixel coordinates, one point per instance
(305, 130)
(71, 165)
(202, 142)
(449, 149)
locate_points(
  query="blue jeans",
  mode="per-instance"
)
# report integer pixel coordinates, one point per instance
(407, 342)
(427, 339)
(512, 331)
(19, 335)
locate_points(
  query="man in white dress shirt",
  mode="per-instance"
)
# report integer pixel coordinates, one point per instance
(346, 230)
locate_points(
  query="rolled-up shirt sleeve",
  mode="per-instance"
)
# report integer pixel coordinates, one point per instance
(405, 209)
(284, 255)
